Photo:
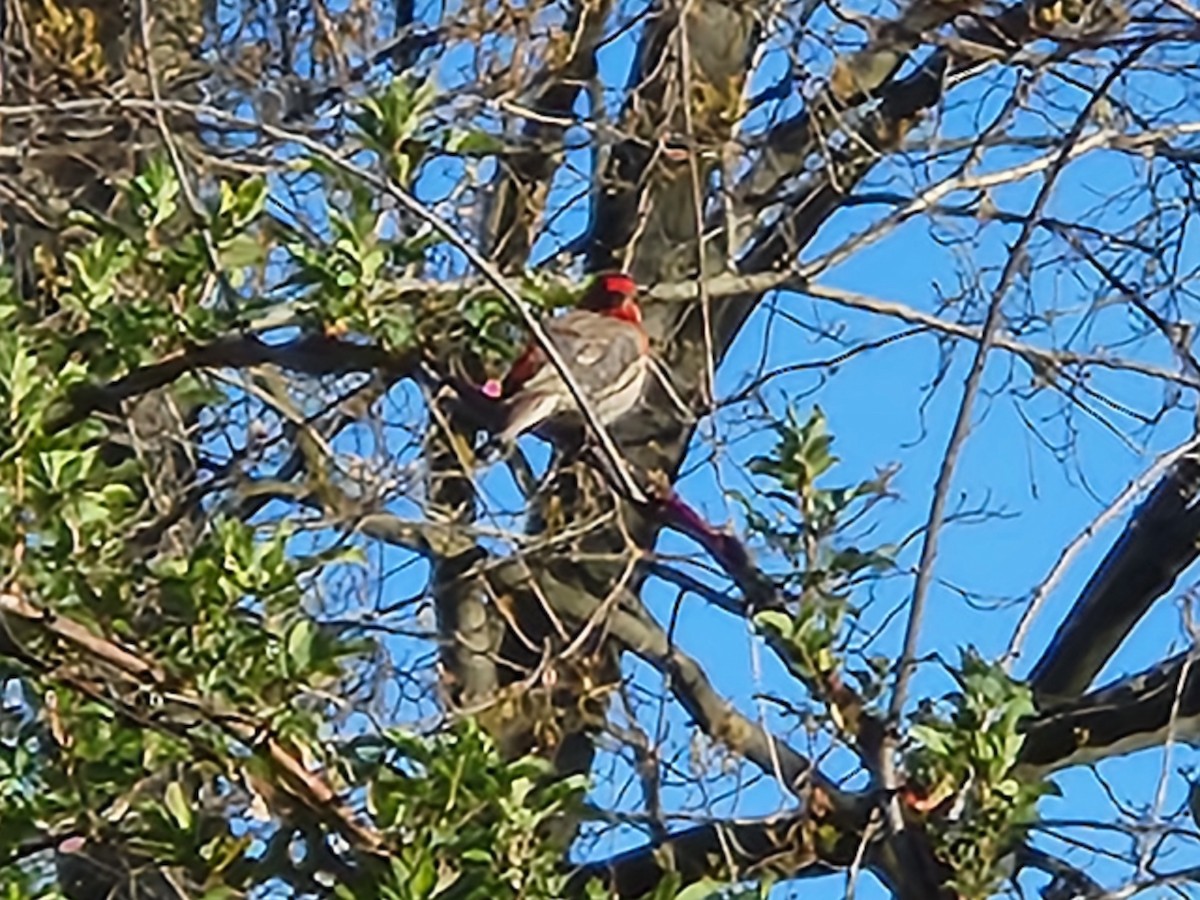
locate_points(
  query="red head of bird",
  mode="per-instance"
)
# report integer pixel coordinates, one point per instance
(613, 294)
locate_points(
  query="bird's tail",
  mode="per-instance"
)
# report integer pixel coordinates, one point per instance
(524, 413)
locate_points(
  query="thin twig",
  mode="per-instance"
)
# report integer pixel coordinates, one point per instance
(160, 121)
(937, 512)
(685, 73)
(958, 434)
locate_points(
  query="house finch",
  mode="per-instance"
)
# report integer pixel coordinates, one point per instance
(606, 351)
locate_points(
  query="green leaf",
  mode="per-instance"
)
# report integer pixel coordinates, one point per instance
(117, 494)
(474, 143)
(77, 467)
(1008, 787)
(178, 806)
(241, 251)
(300, 644)
(155, 190)
(19, 377)
(777, 621)
(247, 202)
(934, 739)
(422, 878)
(701, 890)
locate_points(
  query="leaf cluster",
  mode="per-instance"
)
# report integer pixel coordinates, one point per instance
(227, 616)
(808, 529)
(469, 823)
(962, 760)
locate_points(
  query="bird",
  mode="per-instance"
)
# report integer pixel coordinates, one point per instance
(605, 349)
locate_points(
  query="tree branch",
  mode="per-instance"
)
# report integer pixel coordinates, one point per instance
(786, 847)
(1157, 545)
(1122, 717)
(525, 176)
(622, 617)
(314, 355)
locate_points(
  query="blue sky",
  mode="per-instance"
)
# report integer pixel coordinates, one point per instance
(882, 409)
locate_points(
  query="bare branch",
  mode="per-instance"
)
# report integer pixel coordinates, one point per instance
(314, 355)
(1122, 717)
(524, 181)
(784, 847)
(963, 419)
(1050, 582)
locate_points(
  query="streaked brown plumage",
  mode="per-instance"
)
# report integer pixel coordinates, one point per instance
(606, 350)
